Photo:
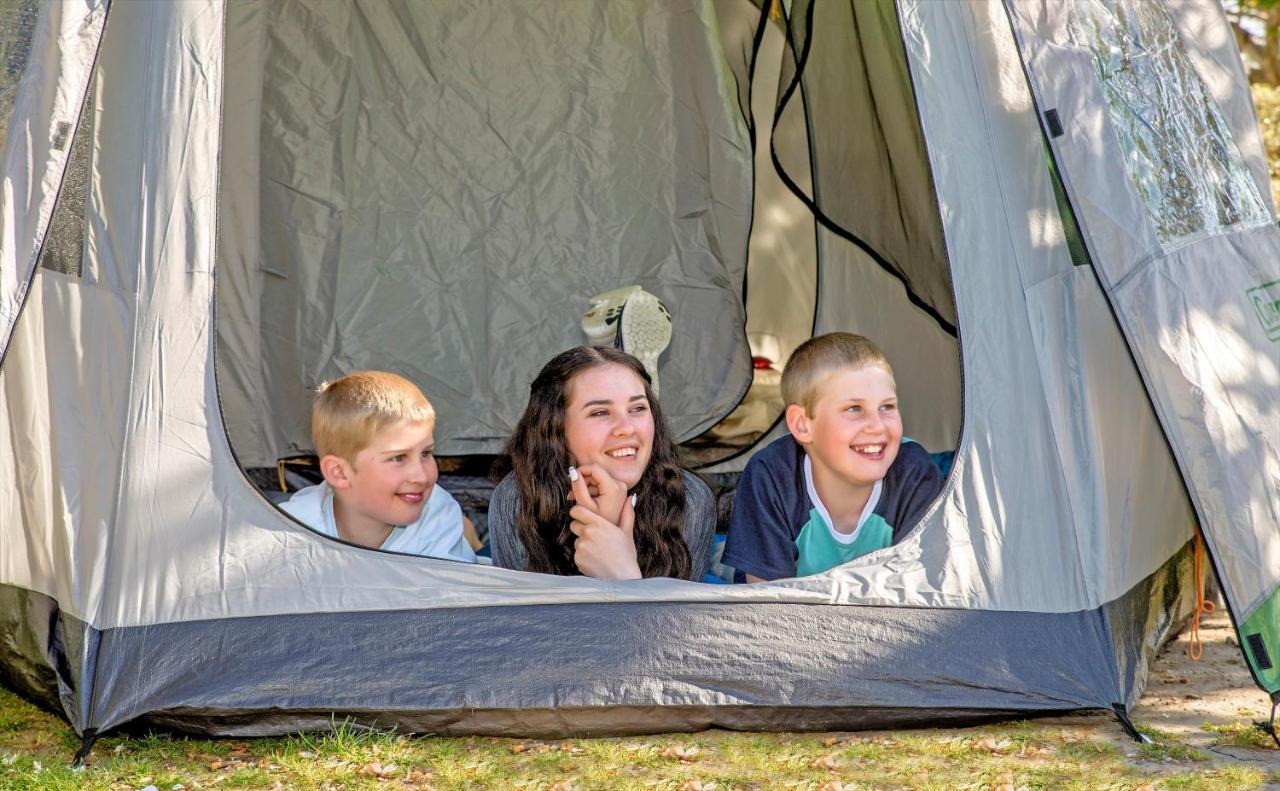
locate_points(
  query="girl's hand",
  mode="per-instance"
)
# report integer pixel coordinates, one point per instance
(603, 549)
(598, 491)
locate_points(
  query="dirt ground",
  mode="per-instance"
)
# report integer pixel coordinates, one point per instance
(1189, 699)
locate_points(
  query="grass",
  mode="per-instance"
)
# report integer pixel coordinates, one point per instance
(1240, 734)
(35, 750)
(1165, 747)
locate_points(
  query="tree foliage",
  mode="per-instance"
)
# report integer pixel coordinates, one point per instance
(1256, 24)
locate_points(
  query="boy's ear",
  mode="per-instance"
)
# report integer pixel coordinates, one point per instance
(798, 423)
(336, 471)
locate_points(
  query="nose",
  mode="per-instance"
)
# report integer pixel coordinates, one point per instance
(422, 472)
(625, 425)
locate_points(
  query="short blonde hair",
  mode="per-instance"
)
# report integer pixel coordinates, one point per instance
(818, 357)
(348, 412)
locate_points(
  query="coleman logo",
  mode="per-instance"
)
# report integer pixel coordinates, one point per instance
(1266, 304)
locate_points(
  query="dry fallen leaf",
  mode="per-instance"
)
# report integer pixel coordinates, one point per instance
(697, 785)
(990, 745)
(828, 762)
(683, 753)
(835, 785)
(376, 769)
(530, 747)
(563, 785)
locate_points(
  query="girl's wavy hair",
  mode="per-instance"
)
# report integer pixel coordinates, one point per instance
(540, 460)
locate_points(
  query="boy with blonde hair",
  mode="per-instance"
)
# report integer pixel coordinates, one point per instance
(374, 433)
(842, 483)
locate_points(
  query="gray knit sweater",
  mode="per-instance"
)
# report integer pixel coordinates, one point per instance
(698, 528)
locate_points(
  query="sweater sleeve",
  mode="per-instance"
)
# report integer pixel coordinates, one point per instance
(699, 524)
(504, 544)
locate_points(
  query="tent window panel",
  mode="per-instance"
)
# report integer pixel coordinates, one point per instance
(17, 28)
(1178, 149)
(64, 246)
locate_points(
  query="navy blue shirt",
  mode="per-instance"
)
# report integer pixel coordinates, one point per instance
(780, 528)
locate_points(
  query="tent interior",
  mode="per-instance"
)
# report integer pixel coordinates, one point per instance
(440, 193)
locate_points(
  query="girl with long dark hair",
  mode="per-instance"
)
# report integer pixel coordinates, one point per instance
(596, 487)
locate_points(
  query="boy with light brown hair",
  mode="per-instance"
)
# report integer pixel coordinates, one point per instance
(844, 482)
(374, 433)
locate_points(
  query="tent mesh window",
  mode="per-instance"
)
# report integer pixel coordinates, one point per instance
(64, 246)
(17, 27)
(1177, 145)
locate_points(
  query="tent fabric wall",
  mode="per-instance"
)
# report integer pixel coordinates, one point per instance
(128, 514)
(870, 175)
(203, 544)
(459, 235)
(1178, 259)
(810, 667)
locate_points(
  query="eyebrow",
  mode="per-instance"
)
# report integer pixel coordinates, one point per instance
(607, 402)
(393, 452)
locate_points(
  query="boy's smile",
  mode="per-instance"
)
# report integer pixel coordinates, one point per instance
(853, 434)
(388, 484)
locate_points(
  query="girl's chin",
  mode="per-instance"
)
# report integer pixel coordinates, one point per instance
(625, 472)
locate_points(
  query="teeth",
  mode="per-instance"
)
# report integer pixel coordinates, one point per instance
(870, 448)
(622, 452)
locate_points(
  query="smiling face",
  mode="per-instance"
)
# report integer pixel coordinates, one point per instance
(854, 430)
(608, 422)
(389, 482)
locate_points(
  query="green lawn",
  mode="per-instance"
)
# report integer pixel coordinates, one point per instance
(35, 751)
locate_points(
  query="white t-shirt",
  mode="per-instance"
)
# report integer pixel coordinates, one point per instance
(437, 533)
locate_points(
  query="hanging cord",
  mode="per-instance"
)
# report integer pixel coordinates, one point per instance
(1195, 648)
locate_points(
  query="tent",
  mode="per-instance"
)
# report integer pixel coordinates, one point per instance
(1054, 217)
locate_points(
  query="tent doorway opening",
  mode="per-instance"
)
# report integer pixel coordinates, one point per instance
(442, 194)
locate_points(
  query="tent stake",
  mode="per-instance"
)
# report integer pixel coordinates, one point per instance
(1129, 728)
(86, 744)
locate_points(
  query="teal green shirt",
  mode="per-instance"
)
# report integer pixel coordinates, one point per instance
(780, 528)
(820, 546)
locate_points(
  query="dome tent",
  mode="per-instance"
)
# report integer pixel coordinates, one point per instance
(167, 165)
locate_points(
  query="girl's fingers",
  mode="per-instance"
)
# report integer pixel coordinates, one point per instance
(607, 492)
(628, 521)
(584, 516)
(578, 488)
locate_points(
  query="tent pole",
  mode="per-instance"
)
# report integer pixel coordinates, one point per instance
(1269, 727)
